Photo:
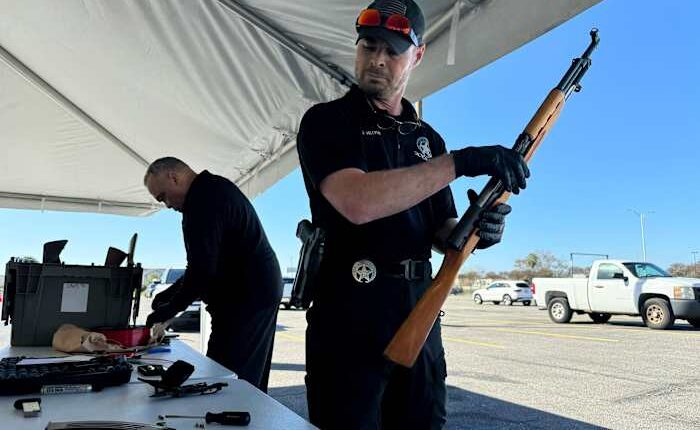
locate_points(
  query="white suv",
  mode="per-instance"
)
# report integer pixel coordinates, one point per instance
(506, 292)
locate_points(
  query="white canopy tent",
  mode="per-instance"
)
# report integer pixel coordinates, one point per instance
(92, 91)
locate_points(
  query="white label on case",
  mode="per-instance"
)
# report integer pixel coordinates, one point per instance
(75, 297)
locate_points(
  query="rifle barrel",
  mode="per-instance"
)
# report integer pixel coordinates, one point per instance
(579, 66)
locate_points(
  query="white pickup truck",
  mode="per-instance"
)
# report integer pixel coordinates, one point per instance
(616, 287)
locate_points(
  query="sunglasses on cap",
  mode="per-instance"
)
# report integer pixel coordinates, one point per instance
(395, 22)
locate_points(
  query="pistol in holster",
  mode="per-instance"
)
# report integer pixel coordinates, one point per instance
(310, 256)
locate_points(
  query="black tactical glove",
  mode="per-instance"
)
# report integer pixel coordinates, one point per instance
(162, 314)
(154, 317)
(491, 222)
(502, 163)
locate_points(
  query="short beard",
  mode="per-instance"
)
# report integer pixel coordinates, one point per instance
(372, 91)
(382, 91)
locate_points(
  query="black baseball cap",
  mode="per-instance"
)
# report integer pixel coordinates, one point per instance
(398, 41)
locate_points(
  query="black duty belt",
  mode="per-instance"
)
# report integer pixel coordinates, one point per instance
(365, 270)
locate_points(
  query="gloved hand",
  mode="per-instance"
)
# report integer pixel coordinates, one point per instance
(491, 223)
(160, 315)
(502, 163)
(158, 332)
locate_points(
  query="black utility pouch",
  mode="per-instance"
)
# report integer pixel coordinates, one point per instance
(310, 256)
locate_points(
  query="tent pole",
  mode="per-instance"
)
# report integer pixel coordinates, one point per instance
(66, 103)
(44, 199)
(419, 108)
(289, 144)
(256, 21)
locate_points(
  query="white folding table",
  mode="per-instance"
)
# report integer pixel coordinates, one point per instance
(132, 402)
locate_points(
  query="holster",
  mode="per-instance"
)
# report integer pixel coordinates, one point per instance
(310, 256)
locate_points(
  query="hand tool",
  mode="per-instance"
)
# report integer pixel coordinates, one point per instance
(226, 418)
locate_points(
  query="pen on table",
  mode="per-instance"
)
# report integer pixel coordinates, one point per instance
(157, 350)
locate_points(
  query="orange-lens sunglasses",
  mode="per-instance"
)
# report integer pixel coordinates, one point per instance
(395, 22)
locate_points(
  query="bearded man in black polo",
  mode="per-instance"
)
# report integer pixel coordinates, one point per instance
(377, 178)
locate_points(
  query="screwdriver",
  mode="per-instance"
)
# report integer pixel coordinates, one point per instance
(229, 418)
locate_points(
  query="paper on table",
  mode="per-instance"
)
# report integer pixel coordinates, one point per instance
(51, 360)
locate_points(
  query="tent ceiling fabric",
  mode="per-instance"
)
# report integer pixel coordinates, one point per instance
(90, 92)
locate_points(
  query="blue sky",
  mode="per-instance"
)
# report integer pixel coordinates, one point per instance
(629, 140)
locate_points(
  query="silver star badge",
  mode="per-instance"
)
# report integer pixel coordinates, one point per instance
(364, 271)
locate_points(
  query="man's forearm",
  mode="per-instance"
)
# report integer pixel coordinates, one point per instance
(364, 197)
(183, 296)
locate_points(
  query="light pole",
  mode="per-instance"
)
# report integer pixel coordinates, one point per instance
(694, 253)
(641, 224)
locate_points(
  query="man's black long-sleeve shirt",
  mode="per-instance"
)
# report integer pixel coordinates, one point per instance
(230, 263)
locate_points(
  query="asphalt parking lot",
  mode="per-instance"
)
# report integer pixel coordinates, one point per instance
(511, 368)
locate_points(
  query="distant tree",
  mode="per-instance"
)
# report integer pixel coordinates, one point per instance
(694, 271)
(471, 274)
(680, 269)
(582, 271)
(466, 279)
(538, 264)
(151, 276)
(531, 261)
(535, 264)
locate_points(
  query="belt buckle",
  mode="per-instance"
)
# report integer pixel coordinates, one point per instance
(408, 269)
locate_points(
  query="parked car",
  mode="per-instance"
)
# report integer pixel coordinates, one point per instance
(506, 292)
(287, 284)
(187, 320)
(167, 278)
(618, 287)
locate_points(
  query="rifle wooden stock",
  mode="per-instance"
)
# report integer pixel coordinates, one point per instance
(410, 338)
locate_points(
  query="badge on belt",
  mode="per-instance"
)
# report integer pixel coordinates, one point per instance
(364, 271)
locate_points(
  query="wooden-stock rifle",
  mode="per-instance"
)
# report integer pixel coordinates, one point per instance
(408, 341)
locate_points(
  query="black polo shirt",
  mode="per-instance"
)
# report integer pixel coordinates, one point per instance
(344, 133)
